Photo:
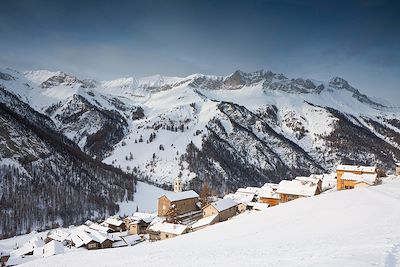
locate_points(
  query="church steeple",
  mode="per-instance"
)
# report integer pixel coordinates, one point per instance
(178, 185)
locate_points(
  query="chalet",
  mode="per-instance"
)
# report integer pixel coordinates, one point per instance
(204, 222)
(348, 184)
(115, 224)
(138, 223)
(351, 180)
(224, 209)
(60, 236)
(181, 202)
(242, 200)
(170, 230)
(160, 230)
(91, 239)
(314, 178)
(290, 190)
(153, 229)
(398, 169)
(269, 195)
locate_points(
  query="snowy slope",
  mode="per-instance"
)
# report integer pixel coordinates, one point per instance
(145, 200)
(347, 228)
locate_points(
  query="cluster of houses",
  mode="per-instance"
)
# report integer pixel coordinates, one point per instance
(111, 233)
(180, 212)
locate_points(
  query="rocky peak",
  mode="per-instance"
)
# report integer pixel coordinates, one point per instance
(63, 79)
(6, 77)
(340, 83)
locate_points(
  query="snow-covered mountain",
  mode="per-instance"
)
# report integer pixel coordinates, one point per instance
(231, 131)
(45, 179)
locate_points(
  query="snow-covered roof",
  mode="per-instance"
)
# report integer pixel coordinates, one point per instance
(296, 187)
(268, 192)
(87, 234)
(28, 247)
(176, 229)
(223, 204)
(313, 179)
(355, 168)
(88, 222)
(240, 197)
(25, 249)
(131, 239)
(270, 185)
(181, 195)
(78, 242)
(248, 190)
(204, 221)
(99, 228)
(156, 224)
(59, 235)
(53, 248)
(141, 216)
(365, 177)
(36, 242)
(114, 221)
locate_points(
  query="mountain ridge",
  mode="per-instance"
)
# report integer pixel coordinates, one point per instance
(158, 126)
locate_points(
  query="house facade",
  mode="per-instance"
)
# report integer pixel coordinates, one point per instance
(268, 195)
(224, 209)
(294, 189)
(343, 183)
(182, 202)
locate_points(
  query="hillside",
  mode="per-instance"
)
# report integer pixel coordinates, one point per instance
(45, 179)
(348, 228)
(229, 131)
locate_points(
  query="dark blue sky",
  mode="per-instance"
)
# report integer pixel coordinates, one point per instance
(355, 39)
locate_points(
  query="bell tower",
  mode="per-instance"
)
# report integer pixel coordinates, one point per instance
(178, 185)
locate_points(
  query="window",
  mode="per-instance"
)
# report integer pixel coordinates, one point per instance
(92, 245)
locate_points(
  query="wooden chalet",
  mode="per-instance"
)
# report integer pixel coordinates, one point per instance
(349, 182)
(224, 209)
(294, 189)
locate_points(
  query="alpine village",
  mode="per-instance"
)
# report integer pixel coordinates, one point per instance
(182, 212)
